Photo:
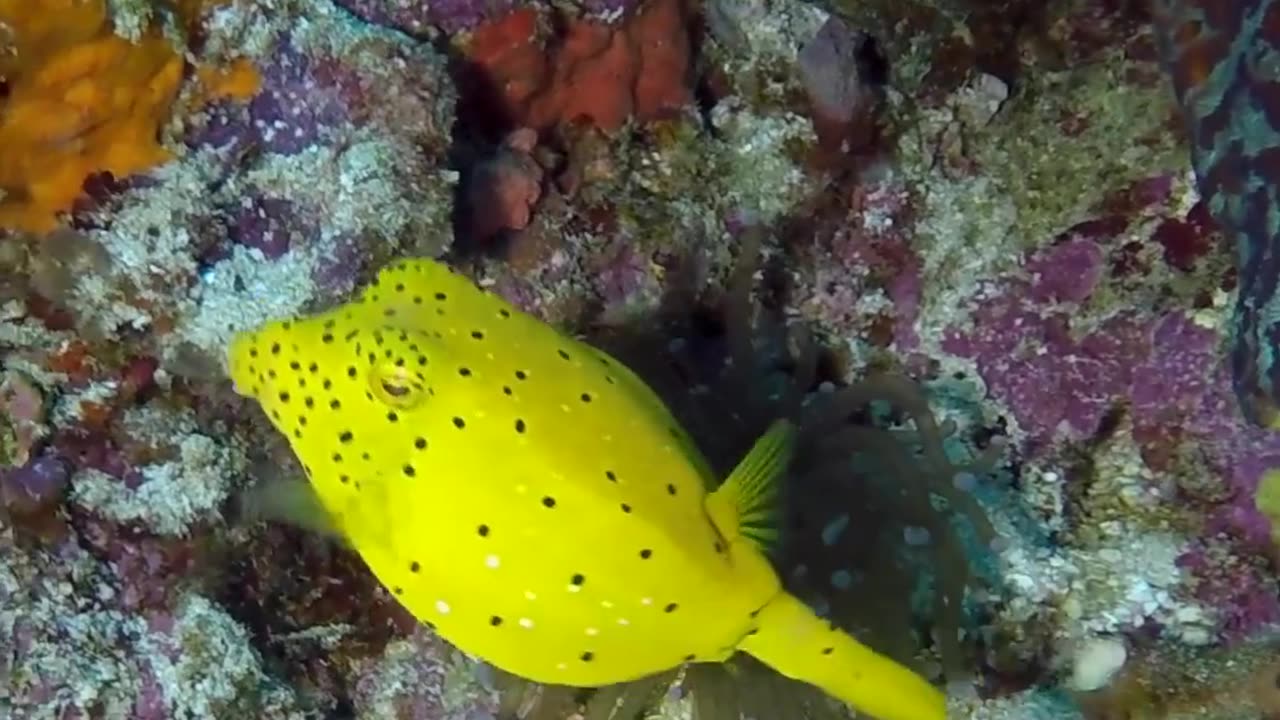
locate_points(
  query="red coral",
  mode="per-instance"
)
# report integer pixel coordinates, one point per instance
(587, 72)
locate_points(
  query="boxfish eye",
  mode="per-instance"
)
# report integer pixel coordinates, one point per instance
(396, 386)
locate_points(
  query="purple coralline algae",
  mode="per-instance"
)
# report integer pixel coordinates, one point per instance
(993, 202)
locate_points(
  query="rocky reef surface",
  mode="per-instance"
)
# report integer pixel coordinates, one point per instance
(993, 199)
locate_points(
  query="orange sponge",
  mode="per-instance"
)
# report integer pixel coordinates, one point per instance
(81, 100)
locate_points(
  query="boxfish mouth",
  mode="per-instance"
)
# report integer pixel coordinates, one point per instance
(236, 358)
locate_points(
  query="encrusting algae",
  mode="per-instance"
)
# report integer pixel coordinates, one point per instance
(583, 546)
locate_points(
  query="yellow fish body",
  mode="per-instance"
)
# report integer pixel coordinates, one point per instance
(533, 500)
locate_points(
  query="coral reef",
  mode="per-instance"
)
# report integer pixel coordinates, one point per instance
(962, 242)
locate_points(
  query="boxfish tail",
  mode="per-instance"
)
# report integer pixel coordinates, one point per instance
(800, 645)
(1220, 56)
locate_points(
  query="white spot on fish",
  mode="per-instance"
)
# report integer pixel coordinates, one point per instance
(564, 407)
(623, 621)
(526, 623)
(492, 561)
(592, 632)
(522, 489)
(561, 666)
(530, 595)
(574, 588)
(646, 601)
(443, 607)
(606, 604)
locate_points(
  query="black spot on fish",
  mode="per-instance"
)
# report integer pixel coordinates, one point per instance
(440, 296)
(345, 436)
(626, 508)
(392, 416)
(588, 656)
(420, 443)
(671, 489)
(577, 580)
(827, 651)
(563, 355)
(506, 390)
(335, 404)
(548, 502)
(504, 313)
(275, 348)
(459, 423)
(326, 384)
(417, 299)
(477, 335)
(483, 530)
(398, 590)
(351, 371)
(671, 607)
(409, 471)
(284, 397)
(337, 457)
(495, 621)
(309, 401)
(519, 426)
(271, 374)
(521, 375)
(414, 566)
(690, 658)
(312, 368)
(586, 397)
(399, 287)
(253, 352)
(326, 338)
(295, 365)
(613, 477)
(464, 372)
(646, 553)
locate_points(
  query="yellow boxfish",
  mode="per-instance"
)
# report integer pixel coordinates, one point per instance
(535, 502)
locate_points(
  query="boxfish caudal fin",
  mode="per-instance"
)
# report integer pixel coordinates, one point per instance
(1222, 57)
(797, 643)
(787, 635)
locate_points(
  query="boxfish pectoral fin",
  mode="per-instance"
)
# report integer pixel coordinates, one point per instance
(794, 641)
(746, 504)
(289, 501)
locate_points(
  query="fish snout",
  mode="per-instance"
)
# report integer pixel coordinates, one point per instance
(237, 362)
